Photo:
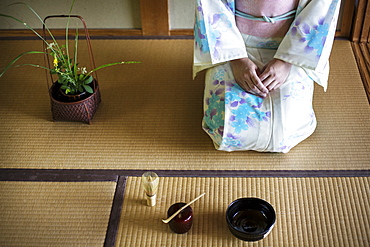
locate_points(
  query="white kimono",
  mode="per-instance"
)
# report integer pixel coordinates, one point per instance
(236, 120)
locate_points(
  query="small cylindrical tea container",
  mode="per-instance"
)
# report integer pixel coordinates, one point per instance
(182, 222)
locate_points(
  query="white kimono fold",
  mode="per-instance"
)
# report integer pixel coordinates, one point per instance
(236, 120)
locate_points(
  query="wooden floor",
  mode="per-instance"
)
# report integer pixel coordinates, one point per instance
(362, 54)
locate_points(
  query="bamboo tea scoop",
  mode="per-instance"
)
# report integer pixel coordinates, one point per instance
(178, 211)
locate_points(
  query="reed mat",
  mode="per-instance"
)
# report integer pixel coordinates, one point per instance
(54, 213)
(150, 116)
(310, 211)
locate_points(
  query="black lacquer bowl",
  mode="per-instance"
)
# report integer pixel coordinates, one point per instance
(250, 219)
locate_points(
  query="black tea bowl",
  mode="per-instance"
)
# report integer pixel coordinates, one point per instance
(250, 219)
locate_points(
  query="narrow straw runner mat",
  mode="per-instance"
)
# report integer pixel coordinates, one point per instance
(310, 211)
(54, 214)
(150, 116)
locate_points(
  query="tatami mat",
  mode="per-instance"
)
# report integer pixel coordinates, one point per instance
(150, 116)
(54, 214)
(310, 211)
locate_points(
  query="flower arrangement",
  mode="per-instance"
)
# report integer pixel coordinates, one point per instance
(73, 79)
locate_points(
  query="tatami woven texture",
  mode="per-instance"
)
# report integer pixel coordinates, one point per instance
(150, 116)
(54, 214)
(310, 211)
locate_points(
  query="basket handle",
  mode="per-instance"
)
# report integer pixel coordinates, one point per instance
(87, 37)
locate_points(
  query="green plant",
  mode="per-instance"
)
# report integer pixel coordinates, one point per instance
(74, 79)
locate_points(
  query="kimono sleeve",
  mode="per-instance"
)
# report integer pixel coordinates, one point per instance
(216, 36)
(310, 38)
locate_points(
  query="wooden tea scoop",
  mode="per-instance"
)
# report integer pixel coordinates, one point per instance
(178, 211)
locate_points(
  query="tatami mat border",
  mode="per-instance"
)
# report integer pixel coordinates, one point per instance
(81, 175)
(115, 214)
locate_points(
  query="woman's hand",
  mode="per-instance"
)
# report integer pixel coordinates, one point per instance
(275, 73)
(246, 75)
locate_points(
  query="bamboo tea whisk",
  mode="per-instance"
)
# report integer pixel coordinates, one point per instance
(150, 181)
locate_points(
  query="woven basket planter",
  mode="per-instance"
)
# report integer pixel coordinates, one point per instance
(64, 110)
(79, 111)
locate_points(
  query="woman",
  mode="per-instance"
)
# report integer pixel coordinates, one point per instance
(262, 58)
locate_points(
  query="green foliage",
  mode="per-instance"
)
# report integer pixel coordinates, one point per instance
(74, 79)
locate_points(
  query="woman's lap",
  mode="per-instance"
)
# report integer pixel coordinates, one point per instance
(236, 120)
